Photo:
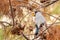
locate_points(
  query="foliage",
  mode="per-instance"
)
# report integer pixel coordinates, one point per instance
(56, 9)
(1, 34)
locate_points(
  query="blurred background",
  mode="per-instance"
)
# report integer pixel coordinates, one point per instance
(14, 13)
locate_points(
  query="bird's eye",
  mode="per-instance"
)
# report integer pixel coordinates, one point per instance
(35, 11)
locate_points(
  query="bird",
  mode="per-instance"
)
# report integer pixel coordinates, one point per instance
(39, 21)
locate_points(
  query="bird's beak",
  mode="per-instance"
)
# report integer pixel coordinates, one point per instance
(33, 14)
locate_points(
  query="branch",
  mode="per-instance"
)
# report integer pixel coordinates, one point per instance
(2, 24)
(5, 22)
(11, 11)
(57, 23)
(25, 37)
(50, 3)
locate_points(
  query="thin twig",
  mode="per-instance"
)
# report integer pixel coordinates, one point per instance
(12, 14)
(25, 37)
(5, 22)
(51, 3)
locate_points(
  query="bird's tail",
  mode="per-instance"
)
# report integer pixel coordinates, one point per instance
(37, 30)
